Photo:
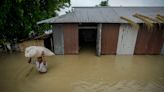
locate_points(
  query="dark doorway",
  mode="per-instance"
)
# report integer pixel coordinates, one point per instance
(87, 38)
(48, 42)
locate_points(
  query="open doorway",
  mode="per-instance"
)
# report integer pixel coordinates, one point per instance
(87, 38)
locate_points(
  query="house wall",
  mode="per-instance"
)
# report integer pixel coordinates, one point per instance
(58, 39)
(71, 40)
(109, 38)
(149, 41)
(127, 39)
(115, 38)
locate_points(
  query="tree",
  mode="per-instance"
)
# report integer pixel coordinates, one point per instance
(104, 3)
(19, 17)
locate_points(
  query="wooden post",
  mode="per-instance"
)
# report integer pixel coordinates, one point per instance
(98, 44)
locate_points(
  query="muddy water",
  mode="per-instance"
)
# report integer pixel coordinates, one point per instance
(84, 73)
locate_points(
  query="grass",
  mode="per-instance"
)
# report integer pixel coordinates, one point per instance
(132, 23)
(145, 19)
(160, 18)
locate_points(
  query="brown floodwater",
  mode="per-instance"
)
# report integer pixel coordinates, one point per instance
(84, 73)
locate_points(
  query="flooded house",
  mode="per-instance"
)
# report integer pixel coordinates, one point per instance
(103, 30)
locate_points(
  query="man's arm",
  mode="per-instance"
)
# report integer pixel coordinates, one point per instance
(44, 61)
(29, 60)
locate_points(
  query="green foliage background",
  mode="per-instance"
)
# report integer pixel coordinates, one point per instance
(104, 3)
(19, 17)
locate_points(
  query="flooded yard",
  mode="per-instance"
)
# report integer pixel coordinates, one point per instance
(84, 73)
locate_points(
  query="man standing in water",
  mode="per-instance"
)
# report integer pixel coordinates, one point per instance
(41, 64)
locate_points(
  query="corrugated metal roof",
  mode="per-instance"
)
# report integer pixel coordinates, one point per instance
(104, 14)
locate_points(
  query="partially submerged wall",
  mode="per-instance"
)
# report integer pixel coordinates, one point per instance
(149, 41)
(109, 38)
(115, 39)
(71, 39)
(126, 40)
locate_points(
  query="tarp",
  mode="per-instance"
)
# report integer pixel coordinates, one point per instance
(36, 51)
